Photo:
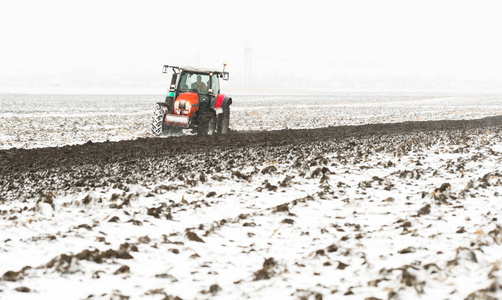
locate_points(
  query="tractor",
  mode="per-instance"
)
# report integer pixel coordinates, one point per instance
(194, 102)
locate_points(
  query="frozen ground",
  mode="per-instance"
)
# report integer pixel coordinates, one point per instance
(30, 121)
(403, 211)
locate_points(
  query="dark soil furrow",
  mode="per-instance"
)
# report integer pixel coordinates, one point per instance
(105, 164)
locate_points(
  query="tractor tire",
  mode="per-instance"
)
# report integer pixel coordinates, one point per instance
(224, 122)
(207, 123)
(157, 120)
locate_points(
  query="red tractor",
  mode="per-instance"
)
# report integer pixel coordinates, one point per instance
(193, 102)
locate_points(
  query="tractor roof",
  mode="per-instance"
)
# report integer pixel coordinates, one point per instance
(195, 70)
(199, 70)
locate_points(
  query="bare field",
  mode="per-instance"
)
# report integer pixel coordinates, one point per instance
(401, 210)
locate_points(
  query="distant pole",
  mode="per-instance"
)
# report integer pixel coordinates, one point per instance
(247, 65)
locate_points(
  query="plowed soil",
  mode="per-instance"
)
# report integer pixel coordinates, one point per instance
(89, 164)
(383, 211)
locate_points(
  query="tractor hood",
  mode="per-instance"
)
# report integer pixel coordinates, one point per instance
(186, 104)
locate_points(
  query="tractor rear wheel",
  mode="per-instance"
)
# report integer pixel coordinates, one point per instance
(157, 120)
(207, 123)
(224, 121)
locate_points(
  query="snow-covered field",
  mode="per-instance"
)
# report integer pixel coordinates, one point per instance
(30, 121)
(414, 215)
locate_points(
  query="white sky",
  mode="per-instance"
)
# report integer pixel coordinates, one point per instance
(340, 44)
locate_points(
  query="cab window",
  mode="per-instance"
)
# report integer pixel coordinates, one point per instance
(197, 83)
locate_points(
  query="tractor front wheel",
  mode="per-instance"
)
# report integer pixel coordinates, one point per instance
(207, 123)
(157, 120)
(158, 126)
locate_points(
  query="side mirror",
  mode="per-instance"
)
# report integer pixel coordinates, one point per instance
(224, 76)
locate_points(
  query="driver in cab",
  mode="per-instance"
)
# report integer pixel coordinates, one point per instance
(199, 85)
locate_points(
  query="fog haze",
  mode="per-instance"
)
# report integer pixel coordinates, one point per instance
(303, 45)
